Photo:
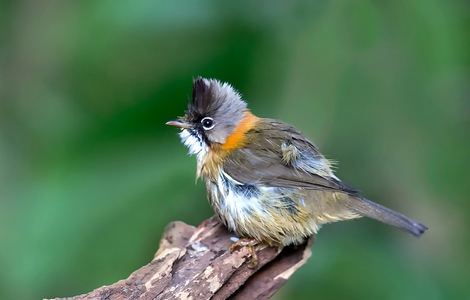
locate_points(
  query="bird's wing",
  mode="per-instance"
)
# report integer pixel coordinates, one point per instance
(276, 154)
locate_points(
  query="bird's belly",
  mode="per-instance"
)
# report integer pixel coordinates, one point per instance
(268, 214)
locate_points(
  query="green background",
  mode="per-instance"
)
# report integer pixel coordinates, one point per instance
(89, 174)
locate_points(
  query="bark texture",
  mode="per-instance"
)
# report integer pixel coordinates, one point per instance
(194, 263)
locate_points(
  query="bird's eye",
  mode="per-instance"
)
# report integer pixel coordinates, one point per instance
(207, 123)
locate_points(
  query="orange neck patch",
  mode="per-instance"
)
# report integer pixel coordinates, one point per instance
(237, 138)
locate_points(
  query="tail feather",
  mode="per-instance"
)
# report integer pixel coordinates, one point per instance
(383, 214)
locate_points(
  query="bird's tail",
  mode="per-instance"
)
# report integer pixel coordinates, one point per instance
(383, 214)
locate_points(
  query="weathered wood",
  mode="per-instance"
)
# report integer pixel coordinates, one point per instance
(194, 263)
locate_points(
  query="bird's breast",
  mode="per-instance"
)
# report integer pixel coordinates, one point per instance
(234, 202)
(209, 165)
(268, 214)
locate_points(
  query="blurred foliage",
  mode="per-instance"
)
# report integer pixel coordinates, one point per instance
(89, 175)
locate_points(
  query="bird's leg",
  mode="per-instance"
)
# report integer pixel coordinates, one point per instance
(250, 244)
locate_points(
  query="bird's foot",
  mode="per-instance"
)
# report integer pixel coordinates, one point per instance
(250, 244)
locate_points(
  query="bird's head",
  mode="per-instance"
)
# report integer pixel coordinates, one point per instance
(214, 113)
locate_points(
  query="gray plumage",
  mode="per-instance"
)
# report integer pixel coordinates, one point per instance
(212, 98)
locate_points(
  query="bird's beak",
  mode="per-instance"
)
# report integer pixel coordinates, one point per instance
(179, 123)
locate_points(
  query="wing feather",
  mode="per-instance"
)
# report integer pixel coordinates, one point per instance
(278, 155)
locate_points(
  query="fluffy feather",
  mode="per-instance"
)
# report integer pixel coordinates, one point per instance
(264, 179)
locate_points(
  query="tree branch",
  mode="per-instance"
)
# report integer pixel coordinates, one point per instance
(194, 263)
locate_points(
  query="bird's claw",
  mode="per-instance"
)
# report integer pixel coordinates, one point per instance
(250, 245)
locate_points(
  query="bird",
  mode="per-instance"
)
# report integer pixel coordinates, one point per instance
(266, 181)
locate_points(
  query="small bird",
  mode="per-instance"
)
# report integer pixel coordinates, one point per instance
(266, 181)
